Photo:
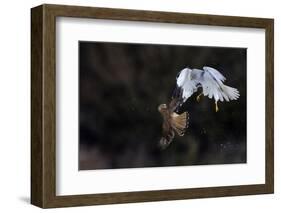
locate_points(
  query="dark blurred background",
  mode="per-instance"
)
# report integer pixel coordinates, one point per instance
(120, 88)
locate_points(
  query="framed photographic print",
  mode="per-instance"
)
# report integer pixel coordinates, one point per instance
(135, 106)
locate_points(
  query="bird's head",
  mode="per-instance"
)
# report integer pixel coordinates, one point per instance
(162, 107)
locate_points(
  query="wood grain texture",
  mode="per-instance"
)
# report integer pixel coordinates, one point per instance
(269, 118)
(36, 106)
(43, 105)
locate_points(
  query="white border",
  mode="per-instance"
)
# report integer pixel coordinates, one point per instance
(70, 181)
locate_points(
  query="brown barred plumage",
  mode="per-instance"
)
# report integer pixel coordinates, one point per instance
(172, 122)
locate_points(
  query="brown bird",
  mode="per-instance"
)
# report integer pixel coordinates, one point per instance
(172, 122)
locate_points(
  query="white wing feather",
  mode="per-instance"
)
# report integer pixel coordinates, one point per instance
(187, 85)
(216, 74)
(211, 81)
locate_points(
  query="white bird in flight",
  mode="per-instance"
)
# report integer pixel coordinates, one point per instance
(211, 82)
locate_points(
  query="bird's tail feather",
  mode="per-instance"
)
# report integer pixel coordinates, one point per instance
(180, 122)
(165, 141)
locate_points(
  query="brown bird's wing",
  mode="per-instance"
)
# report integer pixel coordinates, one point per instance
(174, 104)
(168, 133)
(173, 122)
(179, 122)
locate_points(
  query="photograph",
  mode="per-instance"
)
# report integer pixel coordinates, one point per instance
(159, 105)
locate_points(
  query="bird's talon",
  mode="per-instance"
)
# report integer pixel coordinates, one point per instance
(198, 97)
(217, 108)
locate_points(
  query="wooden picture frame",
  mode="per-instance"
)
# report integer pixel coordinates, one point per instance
(43, 102)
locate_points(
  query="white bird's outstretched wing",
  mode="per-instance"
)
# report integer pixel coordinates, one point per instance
(213, 86)
(211, 81)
